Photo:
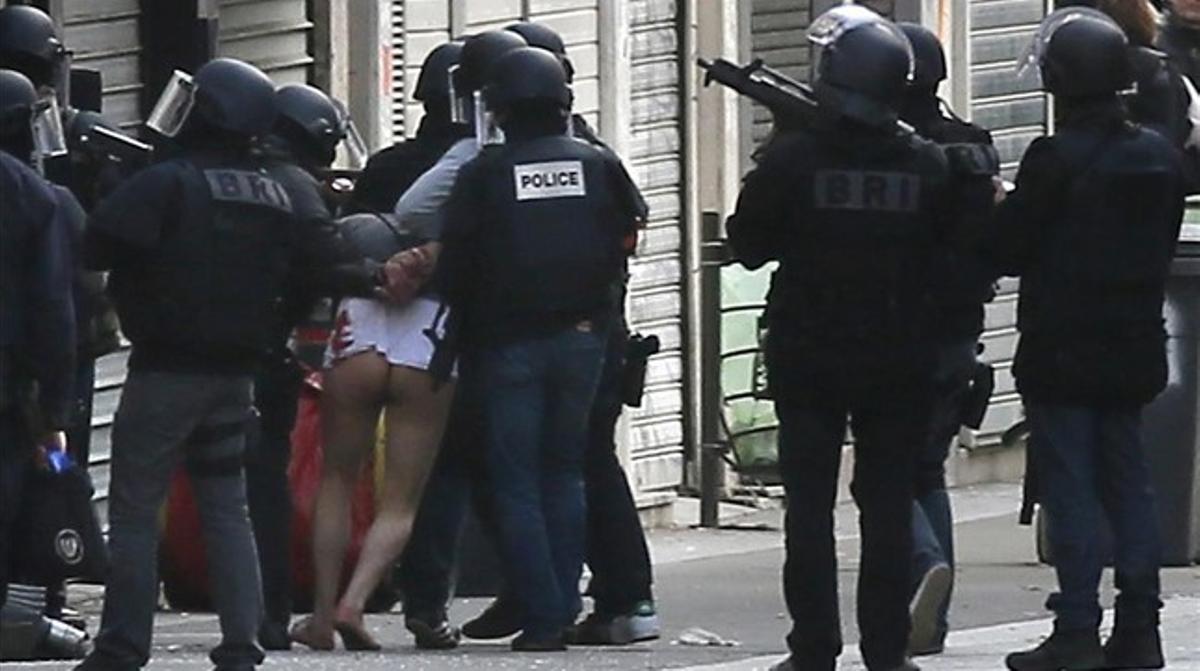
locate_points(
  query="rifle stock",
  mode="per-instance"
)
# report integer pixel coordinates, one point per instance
(791, 102)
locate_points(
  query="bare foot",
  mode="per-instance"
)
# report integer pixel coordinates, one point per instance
(306, 634)
(350, 627)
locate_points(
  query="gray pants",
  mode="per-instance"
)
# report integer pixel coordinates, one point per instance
(163, 417)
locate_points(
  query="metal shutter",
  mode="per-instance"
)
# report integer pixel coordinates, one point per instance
(777, 36)
(1016, 112)
(104, 34)
(656, 286)
(578, 21)
(397, 74)
(272, 34)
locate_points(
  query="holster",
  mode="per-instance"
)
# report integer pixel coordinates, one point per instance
(979, 397)
(638, 351)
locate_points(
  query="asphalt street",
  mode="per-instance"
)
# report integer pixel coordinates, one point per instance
(722, 588)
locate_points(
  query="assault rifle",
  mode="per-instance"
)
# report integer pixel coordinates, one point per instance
(791, 102)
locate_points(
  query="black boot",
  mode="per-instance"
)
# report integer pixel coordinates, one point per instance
(1063, 651)
(501, 619)
(1134, 648)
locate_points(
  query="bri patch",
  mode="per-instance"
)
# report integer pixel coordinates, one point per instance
(249, 188)
(867, 191)
(555, 179)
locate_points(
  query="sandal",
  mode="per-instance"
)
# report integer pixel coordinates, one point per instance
(302, 633)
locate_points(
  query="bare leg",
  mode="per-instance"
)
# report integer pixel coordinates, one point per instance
(354, 391)
(415, 419)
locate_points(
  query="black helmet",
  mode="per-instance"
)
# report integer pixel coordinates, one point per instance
(434, 82)
(1083, 54)
(525, 75)
(312, 121)
(479, 54)
(29, 43)
(17, 98)
(864, 70)
(544, 37)
(929, 59)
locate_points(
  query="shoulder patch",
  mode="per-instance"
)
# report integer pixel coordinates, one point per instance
(553, 179)
(248, 188)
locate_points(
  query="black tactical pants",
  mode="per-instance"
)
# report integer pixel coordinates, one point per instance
(16, 449)
(276, 391)
(814, 411)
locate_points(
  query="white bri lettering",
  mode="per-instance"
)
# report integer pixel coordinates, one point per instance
(555, 179)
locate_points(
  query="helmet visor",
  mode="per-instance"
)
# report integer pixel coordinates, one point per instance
(174, 105)
(49, 140)
(354, 146)
(1030, 62)
(460, 113)
(487, 131)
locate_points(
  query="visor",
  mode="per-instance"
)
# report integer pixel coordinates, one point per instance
(1031, 60)
(459, 113)
(487, 131)
(49, 140)
(174, 105)
(352, 145)
(830, 26)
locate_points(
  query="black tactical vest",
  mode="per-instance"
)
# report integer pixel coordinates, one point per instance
(856, 274)
(551, 238)
(209, 295)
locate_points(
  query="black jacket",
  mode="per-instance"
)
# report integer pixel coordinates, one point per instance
(391, 171)
(1181, 41)
(1091, 229)
(37, 319)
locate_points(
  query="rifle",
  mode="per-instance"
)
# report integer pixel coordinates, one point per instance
(114, 147)
(791, 102)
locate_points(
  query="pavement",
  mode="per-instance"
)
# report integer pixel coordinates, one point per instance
(721, 608)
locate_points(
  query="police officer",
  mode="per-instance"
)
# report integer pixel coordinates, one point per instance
(200, 249)
(617, 553)
(1180, 36)
(1091, 229)
(37, 321)
(308, 130)
(390, 172)
(960, 307)
(855, 212)
(543, 218)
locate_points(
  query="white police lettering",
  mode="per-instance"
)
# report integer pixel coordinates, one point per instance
(557, 179)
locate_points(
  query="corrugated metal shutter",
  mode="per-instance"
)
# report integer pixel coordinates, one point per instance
(656, 288)
(1016, 112)
(777, 36)
(104, 34)
(399, 57)
(578, 21)
(272, 34)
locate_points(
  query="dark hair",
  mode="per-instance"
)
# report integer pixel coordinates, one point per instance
(1136, 18)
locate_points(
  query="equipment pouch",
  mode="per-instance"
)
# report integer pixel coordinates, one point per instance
(975, 403)
(638, 351)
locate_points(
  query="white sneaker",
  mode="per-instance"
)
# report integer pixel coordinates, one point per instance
(924, 636)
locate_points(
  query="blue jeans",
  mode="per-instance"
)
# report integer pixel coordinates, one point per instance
(1092, 469)
(538, 396)
(933, 519)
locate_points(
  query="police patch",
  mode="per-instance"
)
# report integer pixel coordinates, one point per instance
(555, 179)
(867, 191)
(248, 188)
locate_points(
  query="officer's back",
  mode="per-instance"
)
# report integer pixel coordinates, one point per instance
(199, 247)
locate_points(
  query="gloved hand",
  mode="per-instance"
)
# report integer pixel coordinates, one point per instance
(406, 273)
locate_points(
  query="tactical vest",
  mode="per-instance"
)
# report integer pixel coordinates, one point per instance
(552, 236)
(1102, 267)
(856, 273)
(210, 293)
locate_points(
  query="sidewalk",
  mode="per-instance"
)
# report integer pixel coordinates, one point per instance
(983, 649)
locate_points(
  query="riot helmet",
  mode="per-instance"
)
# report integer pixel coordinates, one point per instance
(479, 55)
(528, 77)
(864, 66)
(315, 125)
(226, 94)
(1080, 52)
(929, 59)
(29, 44)
(30, 126)
(434, 82)
(544, 37)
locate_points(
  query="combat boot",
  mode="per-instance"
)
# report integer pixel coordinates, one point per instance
(1063, 651)
(1134, 648)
